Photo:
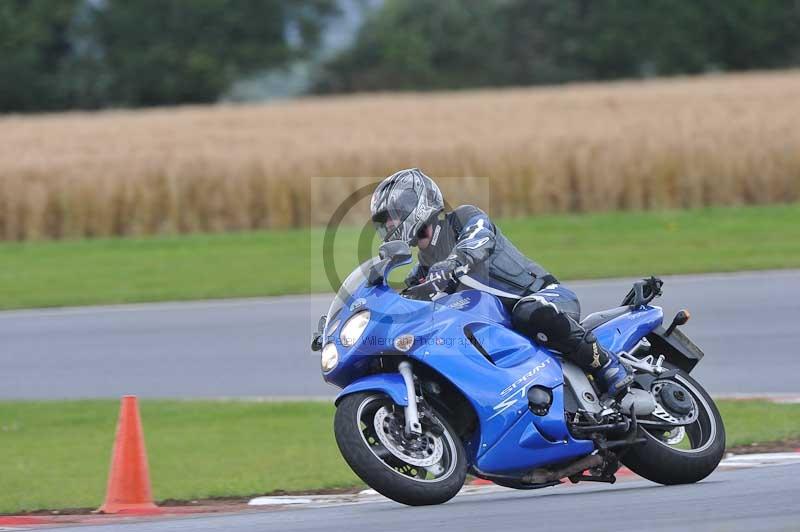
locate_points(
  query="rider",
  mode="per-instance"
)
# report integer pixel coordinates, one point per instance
(463, 249)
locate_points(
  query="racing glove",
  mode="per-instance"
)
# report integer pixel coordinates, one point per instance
(444, 275)
(416, 275)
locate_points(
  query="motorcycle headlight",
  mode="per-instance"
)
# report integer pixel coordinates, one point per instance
(354, 328)
(330, 357)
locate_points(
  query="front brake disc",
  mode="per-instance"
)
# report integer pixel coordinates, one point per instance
(423, 451)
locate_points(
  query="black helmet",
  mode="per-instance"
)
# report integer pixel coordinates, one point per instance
(404, 203)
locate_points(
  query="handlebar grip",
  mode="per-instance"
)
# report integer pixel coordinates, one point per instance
(422, 291)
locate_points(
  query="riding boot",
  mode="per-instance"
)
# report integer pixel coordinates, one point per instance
(614, 376)
(610, 373)
(557, 327)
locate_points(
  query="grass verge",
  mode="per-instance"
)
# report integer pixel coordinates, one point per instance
(40, 274)
(56, 454)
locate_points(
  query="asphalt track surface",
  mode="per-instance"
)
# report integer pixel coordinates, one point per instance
(740, 500)
(748, 324)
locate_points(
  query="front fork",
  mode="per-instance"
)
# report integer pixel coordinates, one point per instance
(413, 425)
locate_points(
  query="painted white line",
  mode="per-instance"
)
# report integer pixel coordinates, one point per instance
(273, 501)
(369, 496)
(786, 398)
(760, 459)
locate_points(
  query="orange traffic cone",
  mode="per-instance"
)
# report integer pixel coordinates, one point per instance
(129, 479)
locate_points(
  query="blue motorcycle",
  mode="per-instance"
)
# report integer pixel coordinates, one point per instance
(436, 386)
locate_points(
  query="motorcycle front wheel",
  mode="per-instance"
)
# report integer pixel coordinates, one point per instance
(685, 454)
(419, 470)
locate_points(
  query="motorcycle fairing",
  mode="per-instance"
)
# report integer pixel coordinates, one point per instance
(524, 447)
(478, 304)
(391, 384)
(509, 436)
(624, 332)
(508, 348)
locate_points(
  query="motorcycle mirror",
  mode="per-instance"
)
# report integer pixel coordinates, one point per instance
(316, 338)
(680, 318)
(396, 251)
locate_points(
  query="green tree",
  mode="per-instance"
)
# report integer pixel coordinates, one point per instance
(60, 54)
(419, 44)
(182, 51)
(425, 44)
(34, 47)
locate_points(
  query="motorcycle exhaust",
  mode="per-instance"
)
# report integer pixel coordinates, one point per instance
(542, 476)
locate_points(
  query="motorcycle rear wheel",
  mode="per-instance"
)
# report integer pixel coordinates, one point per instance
(686, 455)
(428, 469)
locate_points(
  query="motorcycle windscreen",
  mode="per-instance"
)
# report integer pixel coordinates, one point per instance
(349, 287)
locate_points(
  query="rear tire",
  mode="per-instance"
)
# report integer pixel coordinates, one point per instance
(658, 462)
(415, 486)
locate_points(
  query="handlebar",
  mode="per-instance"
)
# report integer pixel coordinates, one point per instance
(423, 291)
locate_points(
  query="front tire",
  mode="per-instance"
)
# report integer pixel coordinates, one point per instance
(429, 469)
(686, 455)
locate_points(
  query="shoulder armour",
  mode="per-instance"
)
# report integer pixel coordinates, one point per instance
(463, 214)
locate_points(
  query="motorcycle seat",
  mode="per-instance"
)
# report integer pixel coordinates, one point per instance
(596, 319)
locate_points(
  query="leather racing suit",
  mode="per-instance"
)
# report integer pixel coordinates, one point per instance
(467, 242)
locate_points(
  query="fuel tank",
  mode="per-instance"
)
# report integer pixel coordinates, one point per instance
(478, 304)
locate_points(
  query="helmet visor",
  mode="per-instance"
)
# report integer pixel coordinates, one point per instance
(397, 221)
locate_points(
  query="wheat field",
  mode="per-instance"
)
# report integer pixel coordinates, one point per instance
(684, 142)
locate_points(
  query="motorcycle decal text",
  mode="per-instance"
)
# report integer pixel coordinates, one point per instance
(512, 399)
(536, 369)
(459, 303)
